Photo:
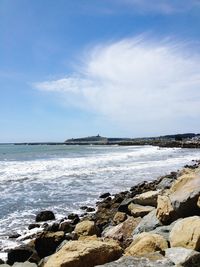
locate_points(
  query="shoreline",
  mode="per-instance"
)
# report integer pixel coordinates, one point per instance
(111, 212)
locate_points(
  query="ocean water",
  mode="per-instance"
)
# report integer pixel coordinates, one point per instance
(63, 178)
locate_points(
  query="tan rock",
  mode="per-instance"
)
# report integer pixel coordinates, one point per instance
(148, 198)
(119, 217)
(183, 198)
(123, 231)
(146, 243)
(87, 253)
(138, 210)
(186, 233)
(86, 228)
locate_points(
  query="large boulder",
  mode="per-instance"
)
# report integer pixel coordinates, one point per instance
(183, 256)
(139, 262)
(182, 198)
(186, 233)
(47, 242)
(146, 243)
(123, 231)
(147, 199)
(86, 228)
(137, 210)
(85, 253)
(148, 223)
(45, 216)
(20, 254)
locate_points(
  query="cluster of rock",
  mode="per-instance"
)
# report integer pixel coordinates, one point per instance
(154, 224)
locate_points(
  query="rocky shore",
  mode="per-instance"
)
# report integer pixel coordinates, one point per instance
(153, 224)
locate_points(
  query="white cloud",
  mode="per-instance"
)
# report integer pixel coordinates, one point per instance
(138, 84)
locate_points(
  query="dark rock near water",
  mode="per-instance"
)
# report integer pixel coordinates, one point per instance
(1, 261)
(20, 254)
(105, 195)
(53, 228)
(83, 207)
(66, 227)
(72, 216)
(123, 207)
(45, 216)
(90, 209)
(47, 242)
(33, 225)
(14, 235)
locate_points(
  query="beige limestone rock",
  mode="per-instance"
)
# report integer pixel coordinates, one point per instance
(147, 199)
(182, 199)
(138, 210)
(87, 253)
(186, 233)
(86, 228)
(145, 243)
(119, 217)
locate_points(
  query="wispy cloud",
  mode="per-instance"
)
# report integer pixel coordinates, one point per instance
(138, 83)
(160, 6)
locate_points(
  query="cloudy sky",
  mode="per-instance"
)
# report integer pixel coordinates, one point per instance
(124, 68)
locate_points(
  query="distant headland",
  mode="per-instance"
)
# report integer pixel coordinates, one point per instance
(186, 140)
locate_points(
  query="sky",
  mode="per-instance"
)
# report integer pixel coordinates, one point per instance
(118, 68)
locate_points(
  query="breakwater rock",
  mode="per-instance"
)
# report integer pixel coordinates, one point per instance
(154, 223)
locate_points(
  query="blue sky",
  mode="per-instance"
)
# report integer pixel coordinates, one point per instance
(115, 67)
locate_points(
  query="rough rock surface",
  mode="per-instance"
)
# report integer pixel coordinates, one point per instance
(183, 256)
(138, 262)
(86, 228)
(149, 198)
(45, 216)
(148, 223)
(119, 217)
(86, 253)
(146, 243)
(182, 198)
(20, 254)
(186, 233)
(123, 231)
(47, 242)
(137, 210)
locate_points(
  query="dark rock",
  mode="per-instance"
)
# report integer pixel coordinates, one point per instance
(123, 207)
(75, 221)
(47, 242)
(66, 227)
(72, 216)
(20, 254)
(14, 235)
(1, 261)
(83, 207)
(33, 225)
(53, 228)
(105, 195)
(90, 209)
(45, 216)
(165, 183)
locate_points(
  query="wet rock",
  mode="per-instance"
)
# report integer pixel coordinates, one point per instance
(184, 257)
(105, 195)
(137, 210)
(45, 216)
(90, 209)
(85, 253)
(20, 254)
(186, 233)
(86, 228)
(72, 216)
(119, 217)
(165, 183)
(1, 261)
(47, 242)
(123, 207)
(53, 228)
(66, 227)
(148, 223)
(83, 207)
(14, 235)
(146, 243)
(33, 225)
(138, 262)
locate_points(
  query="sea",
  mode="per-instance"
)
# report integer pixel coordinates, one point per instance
(63, 178)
